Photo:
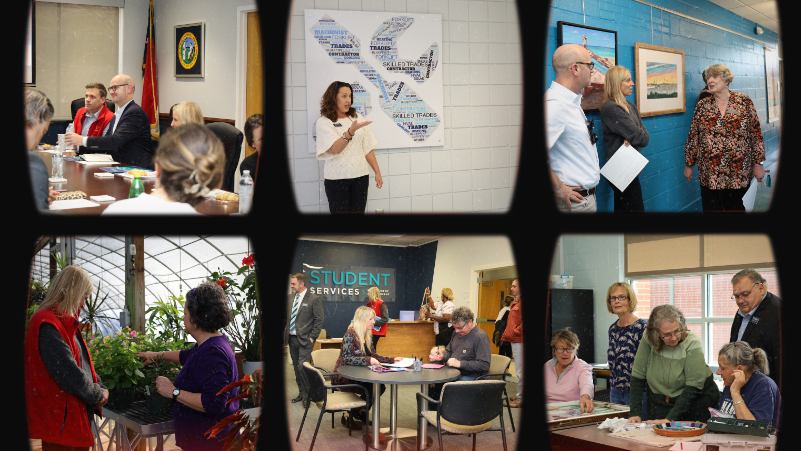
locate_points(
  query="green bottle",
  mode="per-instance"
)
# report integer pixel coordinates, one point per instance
(136, 187)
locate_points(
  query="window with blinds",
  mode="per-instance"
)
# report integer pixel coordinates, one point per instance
(75, 45)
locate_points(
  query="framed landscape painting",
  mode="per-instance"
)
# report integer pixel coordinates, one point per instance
(659, 80)
(602, 45)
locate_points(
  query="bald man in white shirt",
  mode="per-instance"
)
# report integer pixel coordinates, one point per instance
(572, 155)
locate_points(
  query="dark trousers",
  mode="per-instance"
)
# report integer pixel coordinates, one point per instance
(347, 195)
(698, 411)
(505, 349)
(722, 199)
(299, 355)
(630, 200)
(355, 412)
(444, 335)
(375, 343)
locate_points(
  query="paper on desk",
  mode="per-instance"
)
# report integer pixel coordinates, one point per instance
(750, 195)
(97, 157)
(72, 203)
(624, 166)
(406, 362)
(686, 446)
(433, 366)
(98, 162)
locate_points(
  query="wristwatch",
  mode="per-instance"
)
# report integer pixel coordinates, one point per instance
(175, 394)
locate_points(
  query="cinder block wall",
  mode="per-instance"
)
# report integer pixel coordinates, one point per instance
(663, 184)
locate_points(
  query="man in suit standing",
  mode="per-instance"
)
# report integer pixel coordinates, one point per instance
(304, 323)
(757, 320)
(128, 135)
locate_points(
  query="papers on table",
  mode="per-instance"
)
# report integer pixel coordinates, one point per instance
(624, 166)
(432, 366)
(750, 195)
(406, 362)
(72, 203)
(381, 369)
(88, 157)
(97, 162)
(104, 175)
(102, 198)
(56, 180)
(149, 175)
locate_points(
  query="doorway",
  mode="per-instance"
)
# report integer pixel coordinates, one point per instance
(493, 286)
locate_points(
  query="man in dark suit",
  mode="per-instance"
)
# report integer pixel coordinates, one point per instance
(757, 320)
(128, 136)
(304, 323)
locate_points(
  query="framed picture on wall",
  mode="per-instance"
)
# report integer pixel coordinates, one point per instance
(659, 80)
(602, 45)
(30, 47)
(190, 50)
(772, 78)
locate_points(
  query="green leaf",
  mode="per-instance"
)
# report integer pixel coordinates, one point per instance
(110, 384)
(128, 371)
(139, 373)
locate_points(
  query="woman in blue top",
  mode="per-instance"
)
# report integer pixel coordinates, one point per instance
(624, 338)
(748, 393)
(208, 366)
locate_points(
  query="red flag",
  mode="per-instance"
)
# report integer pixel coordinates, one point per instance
(150, 93)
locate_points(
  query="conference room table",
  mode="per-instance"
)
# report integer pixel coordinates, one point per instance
(589, 437)
(82, 178)
(398, 438)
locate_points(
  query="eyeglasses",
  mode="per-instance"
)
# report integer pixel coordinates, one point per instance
(744, 294)
(615, 298)
(590, 65)
(114, 88)
(591, 125)
(669, 336)
(563, 350)
(457, 327)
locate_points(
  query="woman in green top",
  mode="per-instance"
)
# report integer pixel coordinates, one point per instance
(680, 384)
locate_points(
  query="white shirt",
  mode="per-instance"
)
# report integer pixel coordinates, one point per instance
(351, 162)
(297, 302)
(441, 308)
(571, 155)
(149, 205)
(117, 115)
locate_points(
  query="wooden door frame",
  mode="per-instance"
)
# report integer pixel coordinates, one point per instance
(474, 270)
(241, 73)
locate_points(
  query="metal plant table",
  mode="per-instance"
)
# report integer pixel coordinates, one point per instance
(144, 424)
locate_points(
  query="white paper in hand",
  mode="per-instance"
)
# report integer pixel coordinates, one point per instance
(750, 196)
(624, 166)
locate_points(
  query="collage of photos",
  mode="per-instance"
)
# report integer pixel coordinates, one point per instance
(660, 330)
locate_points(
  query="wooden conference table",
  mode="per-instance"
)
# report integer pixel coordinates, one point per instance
(82, 178)
(589, 437)
(398, 438)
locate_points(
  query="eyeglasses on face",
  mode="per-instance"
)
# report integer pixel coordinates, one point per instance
(669, 336)
(590, 65)
(458, 327)
(114, 88)
(563, 350)
(616, 298)
(744, 294)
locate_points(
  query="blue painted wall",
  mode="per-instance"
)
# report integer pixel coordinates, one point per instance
(414, 270)
(663, 185)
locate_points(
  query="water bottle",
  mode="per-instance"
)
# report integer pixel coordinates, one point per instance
(245, 192)
(136, 187)
(58, 165)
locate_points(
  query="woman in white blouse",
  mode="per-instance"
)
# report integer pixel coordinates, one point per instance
(443, 328)
(346, 149)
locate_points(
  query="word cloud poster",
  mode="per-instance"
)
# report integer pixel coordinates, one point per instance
(393, 61)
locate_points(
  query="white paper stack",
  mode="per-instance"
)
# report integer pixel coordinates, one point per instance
(97, 158)
(72, 203)
(406, 362)
(104, 175)
(624, 166)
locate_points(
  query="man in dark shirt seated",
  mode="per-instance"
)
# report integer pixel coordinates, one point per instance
(38, 112)
(253, 136)
(469, 349)
(128, 136)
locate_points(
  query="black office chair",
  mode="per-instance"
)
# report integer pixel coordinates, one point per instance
(232, 143)
(77, 104)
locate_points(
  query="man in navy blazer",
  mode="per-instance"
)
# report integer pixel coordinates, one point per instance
(128, 137)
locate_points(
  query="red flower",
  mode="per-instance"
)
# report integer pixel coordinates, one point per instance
(222, 282)
(249, 260)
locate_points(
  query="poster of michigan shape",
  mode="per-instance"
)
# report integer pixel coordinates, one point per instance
(392, 61)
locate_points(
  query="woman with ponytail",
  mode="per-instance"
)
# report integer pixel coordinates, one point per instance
(189, 163)
(748, 392)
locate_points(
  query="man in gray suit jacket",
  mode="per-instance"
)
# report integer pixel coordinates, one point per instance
(304, 322)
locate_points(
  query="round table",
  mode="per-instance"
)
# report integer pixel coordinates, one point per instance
(403, 437)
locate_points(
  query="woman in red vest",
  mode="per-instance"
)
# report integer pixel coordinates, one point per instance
(381, 314)
(62, 390)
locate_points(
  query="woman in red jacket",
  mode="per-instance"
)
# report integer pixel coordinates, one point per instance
(381, 315)
(514, 334)
(62, 389)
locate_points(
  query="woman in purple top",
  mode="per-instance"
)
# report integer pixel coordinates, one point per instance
(624, 339)
(208, 366)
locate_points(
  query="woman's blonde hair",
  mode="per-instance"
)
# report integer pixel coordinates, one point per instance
(720, 69)
(359, 325)
(741, 353)
(192, 162)
(67, 290)
(374, 293)
(188, 113)
(629, 292)
(612, 80)
(447, 293)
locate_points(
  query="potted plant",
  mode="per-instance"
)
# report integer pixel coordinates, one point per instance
(243, 300)
(114, 361)
(242, 433)
(91, 314)
(157, 404)
(170, 316)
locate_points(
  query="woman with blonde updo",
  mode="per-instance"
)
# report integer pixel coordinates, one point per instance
(442, 315)
(748, 392)
(189, 163)
(186, 113)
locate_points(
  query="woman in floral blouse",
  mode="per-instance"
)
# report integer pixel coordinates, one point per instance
(357, 349)
(624, 338)
(726, 141)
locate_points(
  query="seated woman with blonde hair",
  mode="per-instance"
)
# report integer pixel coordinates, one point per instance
(748, 392)
(186, 113)
(189, 163)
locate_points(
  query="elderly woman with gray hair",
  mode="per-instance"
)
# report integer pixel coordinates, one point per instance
(748, 392)
(469, 349)
(38, 112)
(567, 377)
(680, 385)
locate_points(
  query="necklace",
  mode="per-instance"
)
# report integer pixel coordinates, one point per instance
(667, 400)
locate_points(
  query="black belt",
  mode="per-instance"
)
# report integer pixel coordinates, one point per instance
(589, 192)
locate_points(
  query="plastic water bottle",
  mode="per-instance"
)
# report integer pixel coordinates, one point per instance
(58, 165)
(136, 187)
(70, 129)
(245, 192)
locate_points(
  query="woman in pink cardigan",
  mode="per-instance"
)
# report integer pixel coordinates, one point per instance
(567, 377)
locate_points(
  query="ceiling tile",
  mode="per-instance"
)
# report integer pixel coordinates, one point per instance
(728, 3)
(757, 2)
